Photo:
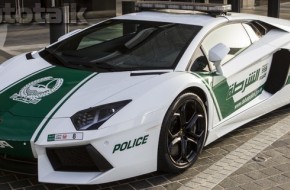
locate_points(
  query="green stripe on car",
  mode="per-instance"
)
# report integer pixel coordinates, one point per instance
(27, 104)
(219, 89)
(203, 78)
(24, 78)
(60, 103)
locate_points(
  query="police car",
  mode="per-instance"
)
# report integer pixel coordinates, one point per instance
(141, 92)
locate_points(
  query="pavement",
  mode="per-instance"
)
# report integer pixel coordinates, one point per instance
(255, 156)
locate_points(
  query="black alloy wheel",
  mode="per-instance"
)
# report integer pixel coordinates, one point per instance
(183, 133)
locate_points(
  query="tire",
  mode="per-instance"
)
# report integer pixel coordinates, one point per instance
(183, 134)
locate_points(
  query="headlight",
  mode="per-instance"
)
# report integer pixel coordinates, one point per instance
(93, 118)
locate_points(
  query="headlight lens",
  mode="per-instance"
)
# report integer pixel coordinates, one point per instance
(93, 118)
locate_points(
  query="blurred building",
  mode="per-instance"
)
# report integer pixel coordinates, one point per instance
(91, 5)
(106, 6)
(94, 8)
(109, 8)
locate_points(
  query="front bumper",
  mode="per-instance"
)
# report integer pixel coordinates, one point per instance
(105, 155)
(15, 135)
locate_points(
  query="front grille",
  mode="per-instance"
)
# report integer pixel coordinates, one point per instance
(77, 159)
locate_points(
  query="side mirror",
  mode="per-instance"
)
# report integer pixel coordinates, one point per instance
(217, 54)
(68, 34)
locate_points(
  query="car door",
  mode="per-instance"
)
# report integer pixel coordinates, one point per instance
(244, 75)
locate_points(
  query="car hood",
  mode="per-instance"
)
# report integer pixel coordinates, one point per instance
(40, 90)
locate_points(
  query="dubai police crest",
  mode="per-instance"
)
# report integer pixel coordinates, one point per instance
(33, 92)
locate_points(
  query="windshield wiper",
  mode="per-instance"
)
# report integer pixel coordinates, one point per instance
(96, 65)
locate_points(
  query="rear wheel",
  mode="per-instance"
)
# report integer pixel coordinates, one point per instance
(183, 133)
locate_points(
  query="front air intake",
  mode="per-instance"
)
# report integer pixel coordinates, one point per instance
(77, 159)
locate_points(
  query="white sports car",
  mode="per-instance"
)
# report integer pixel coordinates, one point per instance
(141, 92)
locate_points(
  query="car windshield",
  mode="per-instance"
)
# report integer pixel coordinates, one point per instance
(119, 45)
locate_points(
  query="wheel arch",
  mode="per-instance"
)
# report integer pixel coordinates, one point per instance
(199, 92)
(201, 95)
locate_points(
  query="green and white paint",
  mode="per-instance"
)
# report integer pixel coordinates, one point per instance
(33, 92)
(26, 104)
(232, 93)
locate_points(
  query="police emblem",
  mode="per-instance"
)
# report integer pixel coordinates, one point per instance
(33, 92)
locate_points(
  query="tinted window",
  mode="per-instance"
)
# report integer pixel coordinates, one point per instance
(125, 45)
(200, 63)
(100, 36)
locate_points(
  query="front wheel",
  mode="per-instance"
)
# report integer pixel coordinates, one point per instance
(183, 133)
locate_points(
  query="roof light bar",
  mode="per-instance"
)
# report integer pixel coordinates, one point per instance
(203, 7)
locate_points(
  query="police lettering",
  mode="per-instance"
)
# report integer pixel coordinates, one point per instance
(130, 144)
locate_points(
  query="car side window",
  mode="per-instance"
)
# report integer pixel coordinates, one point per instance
(233, 36)
(200, 63)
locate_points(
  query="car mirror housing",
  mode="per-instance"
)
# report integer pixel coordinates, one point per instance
(217, 54)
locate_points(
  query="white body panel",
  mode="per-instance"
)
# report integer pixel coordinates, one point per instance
(151, 96)
(23, 69)
(146, 119)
